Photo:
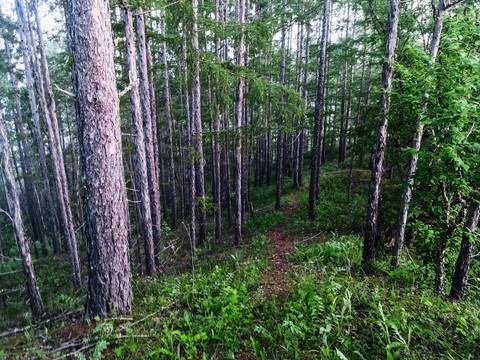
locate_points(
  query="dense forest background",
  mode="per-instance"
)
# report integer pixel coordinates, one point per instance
(239, 179)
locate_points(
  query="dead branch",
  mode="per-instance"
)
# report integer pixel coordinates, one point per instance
(68, 93)
(34, 326)
(124, 327)
(127, 89)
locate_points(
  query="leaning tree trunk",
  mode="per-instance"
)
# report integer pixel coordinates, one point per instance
(56, 153)
(412, 166)
(16, 217)
(100, 141)
(35, 214)
(47, 192)
(319, 105)
(464, 260)
(381, 138)
(141, 159)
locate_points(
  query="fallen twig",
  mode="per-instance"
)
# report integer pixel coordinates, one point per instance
(34, 326)
(64, 347)
(76, 351)
(312, 237)
(123, 327)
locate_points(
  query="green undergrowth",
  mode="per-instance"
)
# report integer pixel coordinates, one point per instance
(219, 309)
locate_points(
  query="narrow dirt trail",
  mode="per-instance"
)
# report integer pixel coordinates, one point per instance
(275, 281)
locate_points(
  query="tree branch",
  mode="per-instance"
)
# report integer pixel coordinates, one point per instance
(127, 89)
(375, 17)
(68, 93)
(452, 5)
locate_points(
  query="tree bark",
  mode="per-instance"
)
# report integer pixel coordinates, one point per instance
(279, 167)
(100, 141)
(149, 126)
(168, 114)
(35, 214)
(47, 192)
(319, 105)
(412, 166)
(239, 116)
(464, 260)
(16, 217)
(56, 153)
(141, 173)
(197, 121)
(381, 137)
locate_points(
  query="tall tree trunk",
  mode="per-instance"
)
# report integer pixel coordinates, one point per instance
(191, 157)
(35, 214)
(464, 260)
(56, 153)
(149, 128)
(319, 105)
(168, 114)
(381, 138)
(217, 151)
(47, 192)
(197, 121)
(301, 140)
(239, 116)
(100, 141)
(343, 116)
(412, 166)
(141, 158)
(279, 170)
(16, 217)
(357, 118)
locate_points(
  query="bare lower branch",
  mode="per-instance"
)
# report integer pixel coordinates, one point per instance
(68, 93)
(127, 89)
(452, 5)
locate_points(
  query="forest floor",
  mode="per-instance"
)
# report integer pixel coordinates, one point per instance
(296, 290)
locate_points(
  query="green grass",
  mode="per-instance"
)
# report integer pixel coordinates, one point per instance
(331, 309)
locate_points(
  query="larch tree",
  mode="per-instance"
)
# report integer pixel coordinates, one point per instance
(465, 256)
(149, 128)
(56, 153)
(319, 112)
(196, 114)
(238, 125)
(142, 185)
(106, 210)
(439, 14)
(16, 217)
(370, 233)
